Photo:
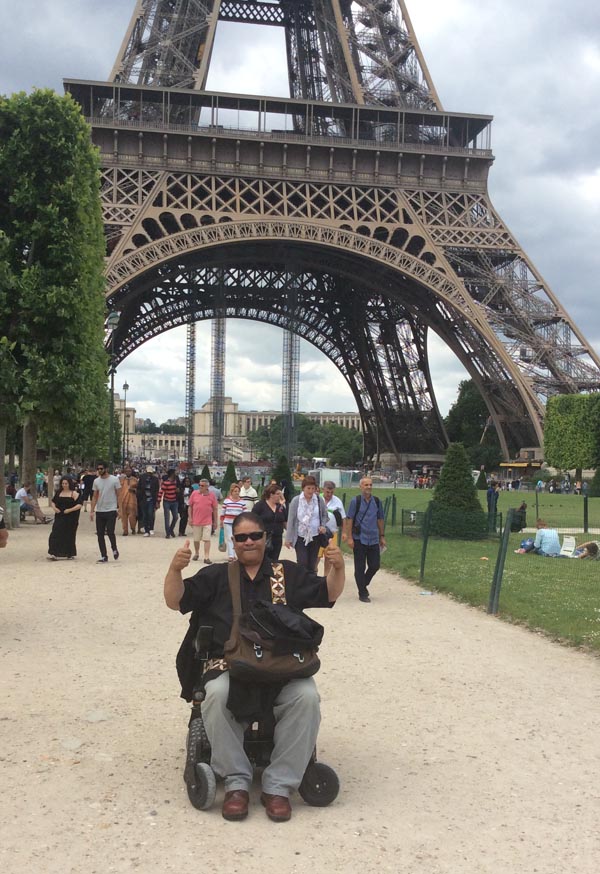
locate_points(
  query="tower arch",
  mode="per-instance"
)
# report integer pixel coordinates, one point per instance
(361, 300)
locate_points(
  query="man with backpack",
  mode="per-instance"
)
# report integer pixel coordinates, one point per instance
(364, 534)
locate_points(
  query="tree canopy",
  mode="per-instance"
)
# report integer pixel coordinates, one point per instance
(468, 423)
(148, 427)
(342, 446)
(51, 270)
(572, 431)
(171, 428)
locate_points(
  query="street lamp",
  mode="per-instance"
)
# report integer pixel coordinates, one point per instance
(125, 441)
(112, 322)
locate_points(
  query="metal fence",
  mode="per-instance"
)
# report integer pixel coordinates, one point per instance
(569, 514)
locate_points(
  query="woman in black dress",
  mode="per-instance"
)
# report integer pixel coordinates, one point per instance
(66, 504)
(273, 512)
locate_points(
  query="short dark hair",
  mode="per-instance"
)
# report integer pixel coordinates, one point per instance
(271, 489)
(101, 464)
(248, 517)
(309, 481)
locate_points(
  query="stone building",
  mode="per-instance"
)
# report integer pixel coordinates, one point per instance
(237, 425)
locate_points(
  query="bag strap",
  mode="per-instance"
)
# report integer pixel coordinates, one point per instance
(234, 578)
(233, 574)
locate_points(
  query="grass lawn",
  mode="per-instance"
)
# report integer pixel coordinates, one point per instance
(560, 597)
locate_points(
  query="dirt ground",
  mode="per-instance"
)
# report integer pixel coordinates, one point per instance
(463, 744)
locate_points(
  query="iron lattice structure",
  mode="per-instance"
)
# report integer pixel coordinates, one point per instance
(360, 191)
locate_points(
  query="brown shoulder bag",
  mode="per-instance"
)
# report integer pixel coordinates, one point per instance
(271, 642)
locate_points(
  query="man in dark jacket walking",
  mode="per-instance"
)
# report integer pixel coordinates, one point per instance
(147, 495)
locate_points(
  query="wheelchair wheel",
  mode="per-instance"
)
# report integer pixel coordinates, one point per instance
(199, 777)
(202, 788)
(320, 785)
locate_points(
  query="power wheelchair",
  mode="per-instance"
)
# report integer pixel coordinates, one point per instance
(320, 784)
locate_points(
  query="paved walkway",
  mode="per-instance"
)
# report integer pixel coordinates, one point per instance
(463, 744)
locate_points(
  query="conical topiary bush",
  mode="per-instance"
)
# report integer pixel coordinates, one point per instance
(455, 507)
(229, 477)
(481, 484)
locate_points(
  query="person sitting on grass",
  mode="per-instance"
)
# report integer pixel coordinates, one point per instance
(547, 542)
(586, 550)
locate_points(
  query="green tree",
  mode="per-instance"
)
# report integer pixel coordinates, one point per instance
(281, 473)
(455, 507)
(572, 432)
(594, 491)
(468, 423)
(148, 427)
(467, 417)
(267, 441)
(229, 477)
(344, 446)
(205, 473)
(170, 428)
(51, 265)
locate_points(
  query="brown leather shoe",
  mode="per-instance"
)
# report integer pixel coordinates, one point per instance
(235, 805)
(278, 807)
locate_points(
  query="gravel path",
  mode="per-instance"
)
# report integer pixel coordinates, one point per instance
(463, 744)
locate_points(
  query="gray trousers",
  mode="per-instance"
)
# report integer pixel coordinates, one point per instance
(297, 715)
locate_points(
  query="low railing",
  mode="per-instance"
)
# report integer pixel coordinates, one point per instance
(286, 136)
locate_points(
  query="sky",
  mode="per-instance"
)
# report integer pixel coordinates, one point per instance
(535, 66)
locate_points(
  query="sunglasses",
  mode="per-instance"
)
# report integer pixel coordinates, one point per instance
(254, 535)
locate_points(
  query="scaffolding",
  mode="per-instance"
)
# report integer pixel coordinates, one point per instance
(290, 375)
(190, 391)
(217, 384)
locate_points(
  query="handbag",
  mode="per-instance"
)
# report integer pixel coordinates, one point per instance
(272, 642)
(222, 544)
(323, 538)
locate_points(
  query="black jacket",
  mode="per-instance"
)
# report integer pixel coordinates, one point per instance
(147, 480)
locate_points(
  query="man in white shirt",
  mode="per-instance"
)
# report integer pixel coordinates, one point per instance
(248, 493)
(335, 511)
(105, 492)
(28, 503)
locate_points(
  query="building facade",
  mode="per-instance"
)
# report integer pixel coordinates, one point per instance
(237, 425)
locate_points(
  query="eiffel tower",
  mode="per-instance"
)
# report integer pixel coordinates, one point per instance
(355, 210)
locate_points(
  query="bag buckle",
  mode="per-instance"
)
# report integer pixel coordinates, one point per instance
(258, 651)
(299, 656)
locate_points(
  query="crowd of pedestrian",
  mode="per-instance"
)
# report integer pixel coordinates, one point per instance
(305, 523)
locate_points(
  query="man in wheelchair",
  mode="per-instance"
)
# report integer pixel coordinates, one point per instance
(295, 703)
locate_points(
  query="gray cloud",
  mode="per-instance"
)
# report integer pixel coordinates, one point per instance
(535, 66)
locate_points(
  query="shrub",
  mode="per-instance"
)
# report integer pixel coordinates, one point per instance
(229, 477)
(281, 473)
(481, 483)
(455, 507)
